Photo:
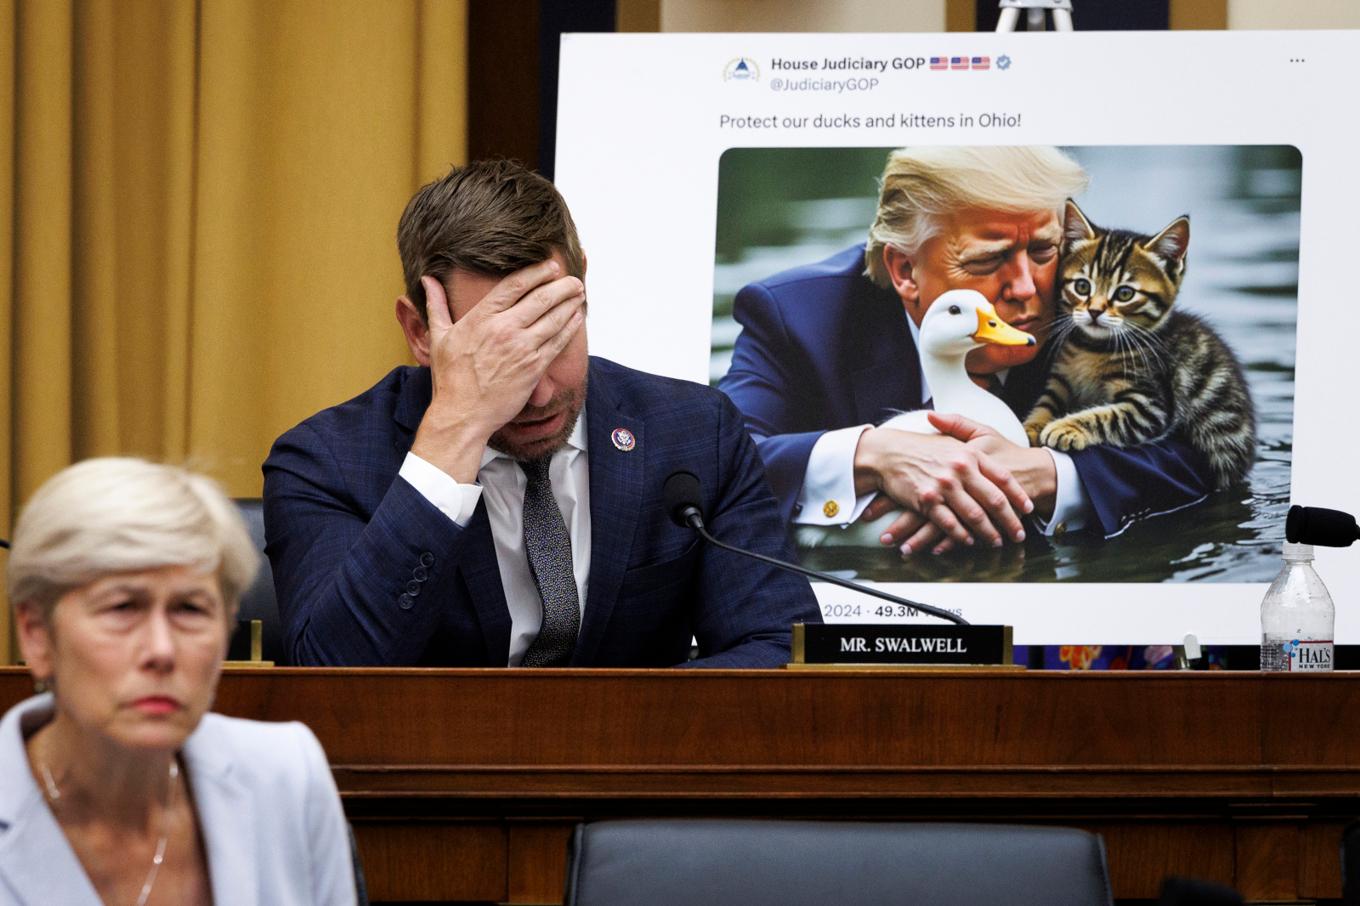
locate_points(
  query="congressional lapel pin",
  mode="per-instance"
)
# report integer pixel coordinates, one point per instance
(623, 439)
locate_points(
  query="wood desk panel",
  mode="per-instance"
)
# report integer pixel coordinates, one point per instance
(463, 784)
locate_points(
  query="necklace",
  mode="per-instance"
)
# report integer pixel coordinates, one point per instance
(54, 794)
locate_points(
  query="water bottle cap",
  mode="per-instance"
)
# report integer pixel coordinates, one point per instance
(1294, 551)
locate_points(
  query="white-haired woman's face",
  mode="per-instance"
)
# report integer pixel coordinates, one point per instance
(133, 657)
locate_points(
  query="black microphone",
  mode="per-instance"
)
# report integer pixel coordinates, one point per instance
(683, 500)
(684, 504)
(1315, 525)
(4, 544)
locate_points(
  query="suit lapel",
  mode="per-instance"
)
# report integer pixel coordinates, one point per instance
(226, 818)
(891, 382)
(888, 387)
(482, 574)
(36, 859)
(617, 487)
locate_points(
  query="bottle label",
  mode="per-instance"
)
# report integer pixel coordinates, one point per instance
(1308, 655)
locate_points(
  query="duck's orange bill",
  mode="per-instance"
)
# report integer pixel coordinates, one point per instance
(991, 329)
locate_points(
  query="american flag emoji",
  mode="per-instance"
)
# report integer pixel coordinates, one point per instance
(982, 62)
(939, 62)
(958, 62)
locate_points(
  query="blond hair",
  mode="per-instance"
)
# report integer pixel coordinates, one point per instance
(118, 514)
(921, 186)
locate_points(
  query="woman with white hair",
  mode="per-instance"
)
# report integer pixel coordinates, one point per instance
(117, 786)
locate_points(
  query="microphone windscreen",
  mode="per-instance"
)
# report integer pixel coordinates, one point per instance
(680, 492)
(1315, 525)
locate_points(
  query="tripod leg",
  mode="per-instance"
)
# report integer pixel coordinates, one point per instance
(1006, 21)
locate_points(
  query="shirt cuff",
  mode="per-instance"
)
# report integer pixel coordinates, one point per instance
(828, 495)
(455, 500)
(1071, 506)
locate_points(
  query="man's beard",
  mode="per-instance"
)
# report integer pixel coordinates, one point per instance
(568, 400)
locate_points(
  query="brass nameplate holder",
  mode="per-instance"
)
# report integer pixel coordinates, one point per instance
(256, 648)
(900, 645)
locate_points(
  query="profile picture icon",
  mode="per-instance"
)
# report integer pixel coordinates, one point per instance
(742, 69)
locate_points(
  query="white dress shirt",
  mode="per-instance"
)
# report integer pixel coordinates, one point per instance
(502, 482)
(830, 476)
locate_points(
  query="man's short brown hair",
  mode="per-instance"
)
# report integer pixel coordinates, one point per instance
(490, 217)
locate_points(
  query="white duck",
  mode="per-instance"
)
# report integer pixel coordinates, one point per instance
(958, 322)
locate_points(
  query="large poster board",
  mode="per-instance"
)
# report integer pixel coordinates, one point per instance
(698, 164)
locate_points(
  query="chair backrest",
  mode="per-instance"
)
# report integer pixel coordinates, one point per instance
(259, 603)
(753, 863)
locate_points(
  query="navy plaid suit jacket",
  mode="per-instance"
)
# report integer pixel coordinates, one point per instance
(368, 572)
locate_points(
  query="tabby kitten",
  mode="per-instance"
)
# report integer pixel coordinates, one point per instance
(1131, 368)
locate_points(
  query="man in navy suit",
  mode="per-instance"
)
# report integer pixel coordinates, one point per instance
(501, 504)
(829, 350)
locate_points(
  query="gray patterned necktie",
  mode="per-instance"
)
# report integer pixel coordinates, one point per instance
(549, 548)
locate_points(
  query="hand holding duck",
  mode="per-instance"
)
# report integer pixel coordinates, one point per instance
(958, 322)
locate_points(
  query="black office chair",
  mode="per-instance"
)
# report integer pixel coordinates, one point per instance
(754, 863)
(258, 603)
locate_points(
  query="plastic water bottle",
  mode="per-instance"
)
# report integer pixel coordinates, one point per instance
(1297, 616)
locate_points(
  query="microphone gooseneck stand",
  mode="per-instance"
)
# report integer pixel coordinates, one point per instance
(683, 501)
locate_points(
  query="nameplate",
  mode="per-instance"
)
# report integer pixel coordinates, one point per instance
(915, 644)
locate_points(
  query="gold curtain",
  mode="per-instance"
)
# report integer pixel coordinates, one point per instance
(204, 200)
